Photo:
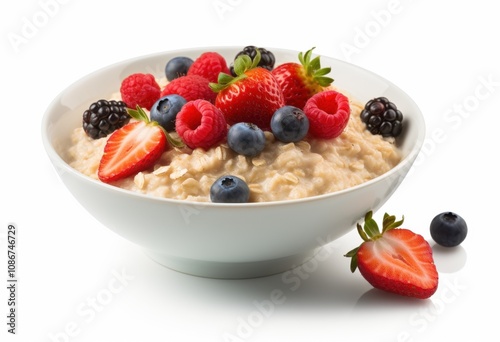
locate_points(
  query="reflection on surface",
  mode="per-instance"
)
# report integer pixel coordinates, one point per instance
(449, 259)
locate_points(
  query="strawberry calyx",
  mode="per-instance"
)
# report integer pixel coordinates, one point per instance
(241, 65)
(140, 115)
(313, 68)
(371, 232)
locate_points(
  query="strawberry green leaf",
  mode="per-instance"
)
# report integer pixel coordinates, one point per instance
(362, 233)
(353, 254)
(171, 140)
(138, 114)
(354, 262)
(242, 64)
(322, 72)
(315, 64)
(324, 81)
(301, 58)
(256, 59)
(313, 68)
(370, 231)
(224, 78)
(371, 226)
(395, 224)
(174, 142)
(387, 221)
(216, 87)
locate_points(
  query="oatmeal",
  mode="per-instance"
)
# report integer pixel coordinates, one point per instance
(282, 171)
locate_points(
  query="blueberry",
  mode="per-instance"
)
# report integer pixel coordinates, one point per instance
(177, 67)
(289, 124)
(448, 229)
(165, 110)
(229, 189)
(246, 139)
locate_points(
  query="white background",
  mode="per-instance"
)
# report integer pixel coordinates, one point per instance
(441, 53)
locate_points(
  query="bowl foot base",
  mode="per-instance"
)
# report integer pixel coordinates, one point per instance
(231, 270)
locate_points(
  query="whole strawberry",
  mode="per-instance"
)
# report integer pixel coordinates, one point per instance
(252, 96)
(395, 260)
(301, 81)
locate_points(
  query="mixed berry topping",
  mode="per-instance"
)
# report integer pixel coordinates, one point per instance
(206, 103)
(104, 117)
(253, 95)
(382, 117)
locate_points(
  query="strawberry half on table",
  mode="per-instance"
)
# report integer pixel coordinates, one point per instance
(133, 148)
(301, 81)
(252, 96)
(395, 260)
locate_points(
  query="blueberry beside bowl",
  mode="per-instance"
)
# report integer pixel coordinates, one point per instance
(226, 240)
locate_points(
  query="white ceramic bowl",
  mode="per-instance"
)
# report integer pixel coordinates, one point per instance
(226, 240)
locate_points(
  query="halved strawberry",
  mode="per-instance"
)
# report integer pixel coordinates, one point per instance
(395, 260)
(133, 148)
(252, 96)
(301, 81)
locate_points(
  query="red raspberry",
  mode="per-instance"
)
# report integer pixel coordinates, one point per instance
(140, 89)
(200, 124)
(328, 113)
(190, 87)
(209, 65)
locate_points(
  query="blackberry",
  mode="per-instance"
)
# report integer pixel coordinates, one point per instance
(381, 116)
(267, 58)
(104, 117)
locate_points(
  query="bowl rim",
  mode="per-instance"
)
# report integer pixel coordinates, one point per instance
(54, 156)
